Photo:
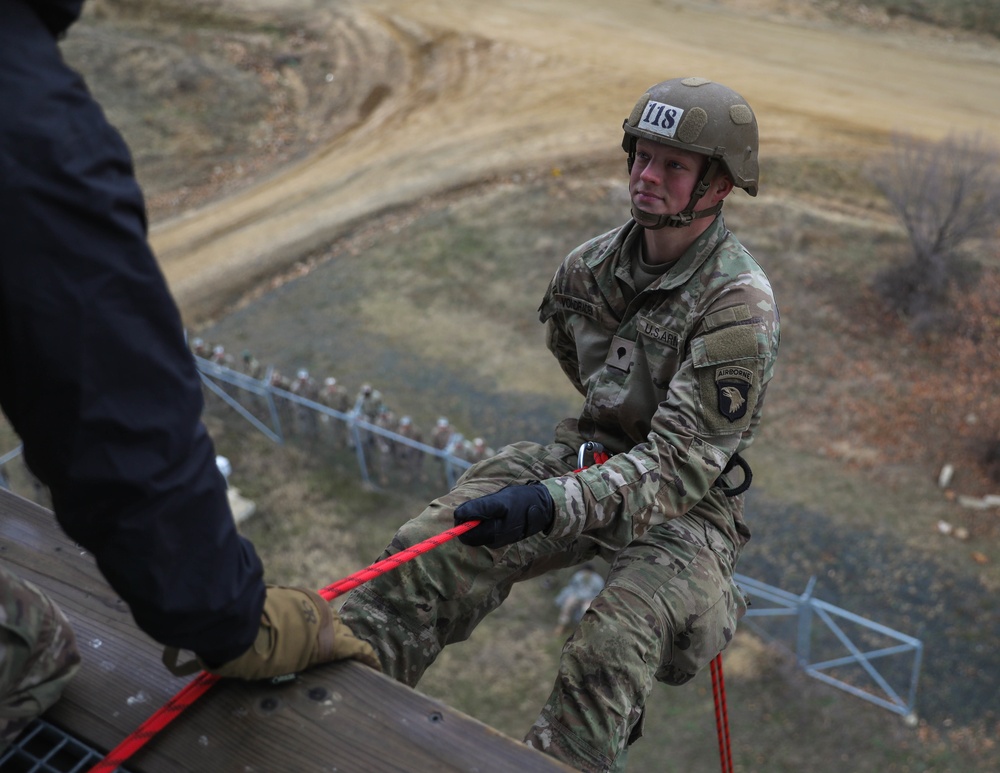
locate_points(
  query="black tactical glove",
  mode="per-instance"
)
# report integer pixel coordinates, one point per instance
(509, 515)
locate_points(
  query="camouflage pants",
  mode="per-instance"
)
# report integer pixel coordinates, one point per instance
(668, 608)
(38, 654)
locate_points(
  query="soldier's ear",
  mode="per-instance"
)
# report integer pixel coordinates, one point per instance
(721, 186)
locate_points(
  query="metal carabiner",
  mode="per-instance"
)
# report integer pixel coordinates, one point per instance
(593, 448)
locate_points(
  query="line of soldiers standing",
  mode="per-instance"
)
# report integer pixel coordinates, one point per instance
(386, 455)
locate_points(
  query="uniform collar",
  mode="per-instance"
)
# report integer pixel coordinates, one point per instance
(620, 251)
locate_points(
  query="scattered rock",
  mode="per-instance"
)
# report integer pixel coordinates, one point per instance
(980, 503)
(242, 508)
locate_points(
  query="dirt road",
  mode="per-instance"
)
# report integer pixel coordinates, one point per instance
(446, 92)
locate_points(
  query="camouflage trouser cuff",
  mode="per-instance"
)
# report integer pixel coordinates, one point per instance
(363, 613)
(550, 736)
(38, 654)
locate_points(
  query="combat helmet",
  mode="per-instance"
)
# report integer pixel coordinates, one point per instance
(704, 117)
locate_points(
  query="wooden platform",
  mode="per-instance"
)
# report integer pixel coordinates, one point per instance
(342, 717)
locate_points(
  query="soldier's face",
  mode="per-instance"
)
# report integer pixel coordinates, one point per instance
(663, 177)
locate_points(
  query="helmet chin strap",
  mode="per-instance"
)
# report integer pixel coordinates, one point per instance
(687, 216)
(653, 222)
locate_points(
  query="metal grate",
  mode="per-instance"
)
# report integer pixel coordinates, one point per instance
(44, 748)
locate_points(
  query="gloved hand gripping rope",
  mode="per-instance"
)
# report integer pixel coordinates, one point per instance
(205, 680)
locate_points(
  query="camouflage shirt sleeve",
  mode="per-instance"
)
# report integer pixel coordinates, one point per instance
(674, 378)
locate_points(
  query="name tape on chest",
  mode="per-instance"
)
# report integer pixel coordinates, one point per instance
(660, 118)
(567, 303)
(658, 333)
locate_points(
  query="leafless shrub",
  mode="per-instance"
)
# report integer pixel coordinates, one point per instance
(947, 196)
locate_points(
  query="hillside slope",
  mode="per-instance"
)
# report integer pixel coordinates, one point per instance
(395, 101)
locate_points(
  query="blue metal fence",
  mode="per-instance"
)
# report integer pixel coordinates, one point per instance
(842, 650)
(215, 375)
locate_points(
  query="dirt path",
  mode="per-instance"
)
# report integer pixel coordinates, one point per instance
(443, 96)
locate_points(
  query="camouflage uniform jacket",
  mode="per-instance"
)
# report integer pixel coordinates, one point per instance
(674, 378)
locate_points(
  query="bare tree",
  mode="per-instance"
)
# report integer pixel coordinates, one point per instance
(947, 195)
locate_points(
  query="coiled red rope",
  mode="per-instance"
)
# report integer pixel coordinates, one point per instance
(204, 681)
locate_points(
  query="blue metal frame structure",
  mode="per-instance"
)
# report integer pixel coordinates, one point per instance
(803, 609)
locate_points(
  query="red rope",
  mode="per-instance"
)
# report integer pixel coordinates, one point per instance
(160, 719)
(387, 564)
(204, 681)
(721, 714)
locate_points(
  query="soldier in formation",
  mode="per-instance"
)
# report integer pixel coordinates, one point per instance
(475, 450)
(367, 406)
(305, 417)
(445, 439)
(333, 395)
(385, 447)
(282, 403)
(221, 357)
(409, 460)
(251, 365)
